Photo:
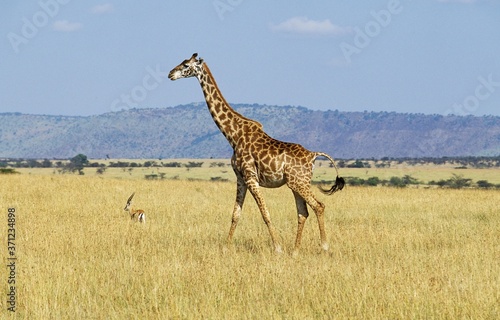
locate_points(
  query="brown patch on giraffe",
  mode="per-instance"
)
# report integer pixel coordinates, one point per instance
(217, 107)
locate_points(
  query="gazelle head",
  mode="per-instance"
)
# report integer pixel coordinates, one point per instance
(129, 202)
(188, 68)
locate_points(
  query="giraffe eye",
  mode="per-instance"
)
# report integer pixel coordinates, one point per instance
(185, 65)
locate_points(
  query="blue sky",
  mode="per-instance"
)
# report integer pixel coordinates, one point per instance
(70, 57)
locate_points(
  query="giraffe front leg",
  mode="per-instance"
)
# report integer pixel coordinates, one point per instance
(255, 191)
(238, 204)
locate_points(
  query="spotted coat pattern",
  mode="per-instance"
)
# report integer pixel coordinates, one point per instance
(259, 160)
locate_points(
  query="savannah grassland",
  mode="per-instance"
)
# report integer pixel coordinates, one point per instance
(395, 253)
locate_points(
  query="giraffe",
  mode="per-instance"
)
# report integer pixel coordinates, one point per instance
(259, 160)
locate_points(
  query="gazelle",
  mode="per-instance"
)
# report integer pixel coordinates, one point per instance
(135, 214)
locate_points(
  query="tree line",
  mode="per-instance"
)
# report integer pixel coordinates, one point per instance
(456, 181)
(81, 161)
(78, 163)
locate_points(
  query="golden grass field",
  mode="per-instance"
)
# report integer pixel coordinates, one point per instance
(410, 253)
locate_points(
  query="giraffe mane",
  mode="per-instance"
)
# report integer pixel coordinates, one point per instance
(207, 70)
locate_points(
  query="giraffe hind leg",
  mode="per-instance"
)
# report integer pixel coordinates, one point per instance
(302, 215)
(306, 196)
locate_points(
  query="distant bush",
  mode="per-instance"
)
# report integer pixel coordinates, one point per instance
(484, 184)
(397, 182)
(148, 164)
(402, 182)
(8, 171)
(457, 181)
(382, 165)
(155, 176)
(192, 164)
(355, 181)
(119, 164)
(218, 179)
(441, 183)
(46, 163)
(372, 181)
(407, 179)
(94, 165)
(359, 164)
(172, 164)
(217, 164)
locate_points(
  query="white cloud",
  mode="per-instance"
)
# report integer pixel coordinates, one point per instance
(303, 25)
(66, 26)
(102, 8)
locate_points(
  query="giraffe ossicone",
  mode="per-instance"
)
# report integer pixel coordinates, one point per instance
(259, 160)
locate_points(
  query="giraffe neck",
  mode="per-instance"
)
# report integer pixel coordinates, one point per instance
(226, 118)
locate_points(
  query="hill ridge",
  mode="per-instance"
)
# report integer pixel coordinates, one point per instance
(187, 131)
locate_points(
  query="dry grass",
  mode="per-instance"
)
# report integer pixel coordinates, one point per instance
(395, 253)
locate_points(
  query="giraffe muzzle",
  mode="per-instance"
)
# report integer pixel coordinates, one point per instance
(173, 75)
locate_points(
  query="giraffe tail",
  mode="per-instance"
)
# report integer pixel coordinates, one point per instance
(339, 181)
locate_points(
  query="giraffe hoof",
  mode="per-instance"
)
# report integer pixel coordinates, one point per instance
(278, 249)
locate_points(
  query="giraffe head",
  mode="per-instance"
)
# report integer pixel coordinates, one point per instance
(188, 68)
